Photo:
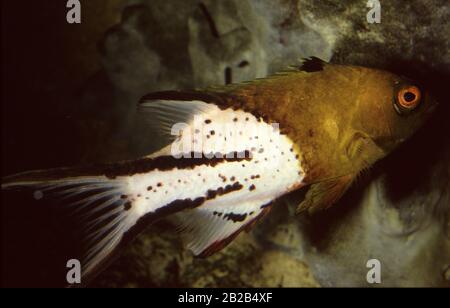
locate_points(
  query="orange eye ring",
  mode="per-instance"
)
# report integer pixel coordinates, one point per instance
(409, 97)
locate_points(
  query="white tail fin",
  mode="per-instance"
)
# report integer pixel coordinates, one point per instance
(94, 203)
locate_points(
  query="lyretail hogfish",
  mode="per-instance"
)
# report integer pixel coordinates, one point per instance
(235, 149)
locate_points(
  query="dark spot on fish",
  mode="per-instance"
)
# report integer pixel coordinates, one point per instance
(179, 181)
(211, 194)
(235, 217)
(261, 150)
(213, 133)
(207, 136)
(224, 178)
(123, 197)
(291, 149)
(127, 206)
(139, 195)
(297, 156)
(253, 149)
(159, 184)
(251, 213)
(232, 178)
(149, 188)
(207, 121)
(252, 187)
(246, 119)
(235, 119)
(197, 131)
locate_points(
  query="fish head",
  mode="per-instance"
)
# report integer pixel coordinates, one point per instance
(392, 108)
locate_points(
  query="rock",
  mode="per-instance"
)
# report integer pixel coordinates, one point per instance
(221, 49)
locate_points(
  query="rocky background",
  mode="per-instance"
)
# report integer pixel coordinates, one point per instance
(398, 212)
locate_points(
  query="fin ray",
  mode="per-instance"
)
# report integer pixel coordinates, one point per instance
(170, 111)
(94, 207)
(208, 229)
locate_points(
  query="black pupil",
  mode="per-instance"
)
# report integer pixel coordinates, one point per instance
(409, 96)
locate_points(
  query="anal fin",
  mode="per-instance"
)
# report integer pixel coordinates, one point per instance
(208, 230)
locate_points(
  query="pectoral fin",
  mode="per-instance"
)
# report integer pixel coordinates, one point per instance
(361, 151)
(322, 195)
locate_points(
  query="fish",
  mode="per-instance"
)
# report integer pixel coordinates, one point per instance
(231, 151)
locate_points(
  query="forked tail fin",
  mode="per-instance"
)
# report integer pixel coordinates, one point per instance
(93, 203)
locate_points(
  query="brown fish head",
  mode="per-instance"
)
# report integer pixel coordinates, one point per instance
(391, 108)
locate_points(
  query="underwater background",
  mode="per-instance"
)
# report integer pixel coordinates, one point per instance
(69, 96)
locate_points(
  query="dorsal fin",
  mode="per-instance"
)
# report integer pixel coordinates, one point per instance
(312, 64)
(190, 95)
(164, 109)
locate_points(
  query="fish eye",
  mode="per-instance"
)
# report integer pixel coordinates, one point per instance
(408, 98)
